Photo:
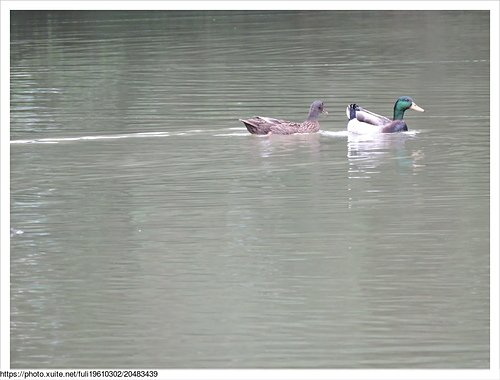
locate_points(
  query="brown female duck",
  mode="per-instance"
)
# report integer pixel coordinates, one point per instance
(260, 125)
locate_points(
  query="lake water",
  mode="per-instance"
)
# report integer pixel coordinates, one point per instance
(150, 229)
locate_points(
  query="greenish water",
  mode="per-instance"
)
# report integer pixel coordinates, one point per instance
(156, 232)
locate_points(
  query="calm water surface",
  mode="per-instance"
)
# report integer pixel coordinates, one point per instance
(151, 230)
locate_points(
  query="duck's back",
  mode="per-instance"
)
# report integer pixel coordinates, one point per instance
(259, 125)
(309, 126)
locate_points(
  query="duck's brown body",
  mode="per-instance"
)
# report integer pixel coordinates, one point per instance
(260, 125)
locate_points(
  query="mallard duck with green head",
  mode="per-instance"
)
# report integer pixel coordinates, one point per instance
(260, 125)
(362, 121)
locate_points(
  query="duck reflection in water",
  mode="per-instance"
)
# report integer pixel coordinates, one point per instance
(367, 152)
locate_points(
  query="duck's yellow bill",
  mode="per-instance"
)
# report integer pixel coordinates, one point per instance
(416, 108)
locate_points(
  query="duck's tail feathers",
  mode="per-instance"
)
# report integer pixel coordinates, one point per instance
(250, 127)
(351, 111)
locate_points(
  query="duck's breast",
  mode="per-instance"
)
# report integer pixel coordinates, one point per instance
(287, 128)
(309, 127)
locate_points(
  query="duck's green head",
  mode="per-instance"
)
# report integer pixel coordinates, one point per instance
(402, 104)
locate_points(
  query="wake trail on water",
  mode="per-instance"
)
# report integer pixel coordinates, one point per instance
(226, 132)
(57, 140)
